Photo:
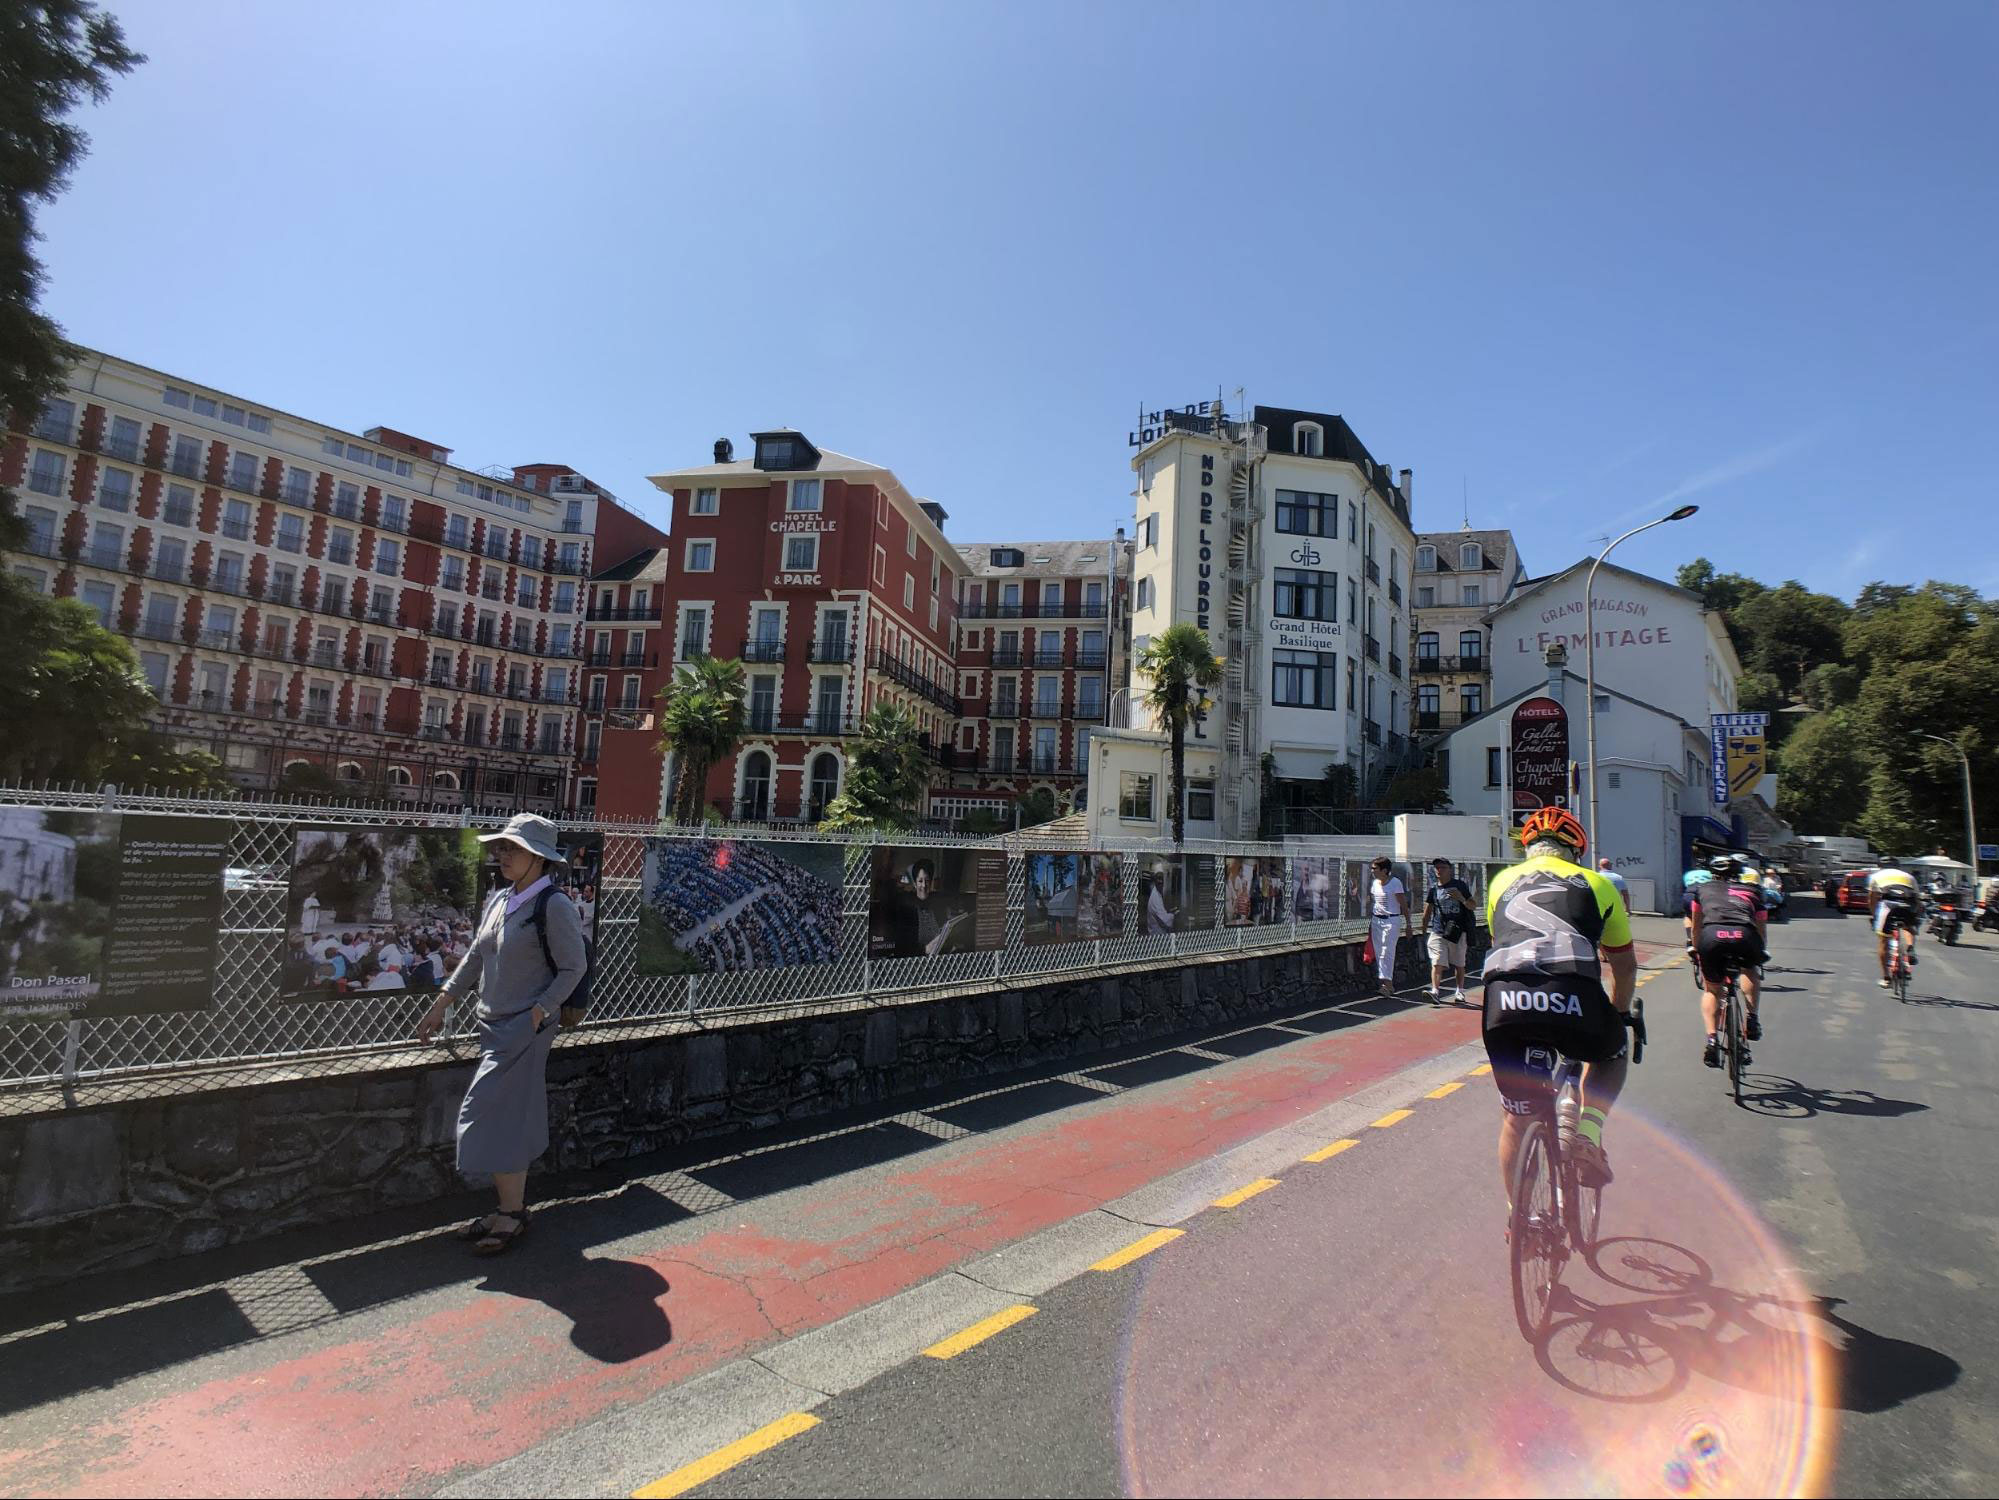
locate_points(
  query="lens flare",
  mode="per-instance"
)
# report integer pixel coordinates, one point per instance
(1357, 1336)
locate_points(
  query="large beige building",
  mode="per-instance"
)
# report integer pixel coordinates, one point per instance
(301, 594)
(1290, 545)
(1460, 577)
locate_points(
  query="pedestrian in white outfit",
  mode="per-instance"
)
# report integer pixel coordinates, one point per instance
(1389, 920)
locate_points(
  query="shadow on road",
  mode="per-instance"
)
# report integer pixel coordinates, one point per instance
(1786, 1098)
(1646, 1350)
(1951, 1003)
(103, 1329)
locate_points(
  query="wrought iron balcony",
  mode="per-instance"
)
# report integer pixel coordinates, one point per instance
(763, 650)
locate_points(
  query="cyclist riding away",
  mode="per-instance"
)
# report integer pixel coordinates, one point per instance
(1897, 902)
(1550, 918)
(1728, 925)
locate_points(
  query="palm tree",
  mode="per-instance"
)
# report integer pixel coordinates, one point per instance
(888, 772)
(1180, 666)
(701, 720)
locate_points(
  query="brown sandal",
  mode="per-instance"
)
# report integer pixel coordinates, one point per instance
(497, 1241)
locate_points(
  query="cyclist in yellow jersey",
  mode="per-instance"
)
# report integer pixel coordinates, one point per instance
(1898, 902)
(1550, 918)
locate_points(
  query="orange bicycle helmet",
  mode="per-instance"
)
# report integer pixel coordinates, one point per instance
(1554, 823)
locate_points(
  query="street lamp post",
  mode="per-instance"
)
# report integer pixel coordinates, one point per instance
(1970, 814)
(1589, 654)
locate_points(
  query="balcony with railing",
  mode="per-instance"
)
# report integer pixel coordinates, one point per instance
(639, 659)
(1005, 656)
(907, 676)
(1045, 610)
(121, 448)
(1092, 661)
(623, 612)
(1394, 592)
(1046, 657)
(1373, 647)
(1431, 665)
(831, 651)
(1372, 731)
(1006, 707)
(186, 465)
(763, 649)
(45, 481)
(1372, 569)
(1394, 665)
(570, 565)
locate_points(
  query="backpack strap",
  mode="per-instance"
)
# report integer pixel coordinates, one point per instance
(540, 920)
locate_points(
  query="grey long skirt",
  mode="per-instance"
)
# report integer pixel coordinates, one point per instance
(503, 1123)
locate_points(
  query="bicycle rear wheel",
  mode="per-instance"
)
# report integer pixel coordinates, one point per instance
(1733, 1020)
(1535, 1234)
(1586, 1210)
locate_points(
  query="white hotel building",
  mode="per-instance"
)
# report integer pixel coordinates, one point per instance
(1284, 539)
(300, 594)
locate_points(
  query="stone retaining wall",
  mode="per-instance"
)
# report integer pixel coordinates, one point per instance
(112, 1185)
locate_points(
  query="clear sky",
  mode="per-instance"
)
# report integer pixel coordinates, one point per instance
(1579, 260)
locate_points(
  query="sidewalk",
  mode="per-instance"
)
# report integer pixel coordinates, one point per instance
(393, 1361)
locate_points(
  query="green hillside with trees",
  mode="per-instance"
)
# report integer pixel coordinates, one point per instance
(1853, 688)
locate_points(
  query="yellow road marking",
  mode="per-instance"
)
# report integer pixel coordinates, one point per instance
(1393, 1117)
(1445, 1092)
(980, 1331)
(687, 1476)
(1327, 1153)
(1137, 1248)
(1244, 1194)
(1481, 1068)
(1658, 971)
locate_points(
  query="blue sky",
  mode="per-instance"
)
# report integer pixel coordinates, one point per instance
(1581, 260)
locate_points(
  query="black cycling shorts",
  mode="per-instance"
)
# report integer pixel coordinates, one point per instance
(1724, 946)
(1529, 1023)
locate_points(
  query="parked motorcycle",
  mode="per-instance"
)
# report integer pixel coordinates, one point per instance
(1987, 919)
(1944, 919)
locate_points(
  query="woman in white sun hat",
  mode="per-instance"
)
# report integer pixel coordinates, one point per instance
(503, 1123)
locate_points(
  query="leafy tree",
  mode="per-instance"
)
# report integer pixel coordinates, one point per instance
(1832, 685)
(1878, 596)
(1179, 665)
(1821, 773)
(155, 762)
(307, 779)
(888, 775)
(1038, 806)
(1723, 591)
(74, 694)
(1342, 784)
(701, 721)
(1420, 790)
(53, 53)
(1790, 631)
(981, 822)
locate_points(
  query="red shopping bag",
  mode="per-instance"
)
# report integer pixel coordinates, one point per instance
(1367, 952)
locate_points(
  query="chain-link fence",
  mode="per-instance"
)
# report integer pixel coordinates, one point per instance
(249, 1024)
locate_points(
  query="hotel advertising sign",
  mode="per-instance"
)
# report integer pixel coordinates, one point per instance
(1540, 746)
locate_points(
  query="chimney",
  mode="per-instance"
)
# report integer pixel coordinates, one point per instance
(1558, 662)
(1406, 491)
(725, 451)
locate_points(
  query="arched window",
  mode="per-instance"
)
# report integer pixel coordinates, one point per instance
(825, 783)
(1470, 558)
(446, 779)
(1426, 646)
(754, 806)
(1429, 703)
(399, 776)
(1426, 559)
(1471, 646)
(1308, 440)
(350, 770)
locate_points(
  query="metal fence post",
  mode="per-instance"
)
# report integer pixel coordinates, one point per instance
(72, 1046)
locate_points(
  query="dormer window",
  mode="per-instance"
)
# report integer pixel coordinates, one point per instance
(1426, 559)
(774, 453)
(784, 449)
(1308, 440)
(1006, 557)
(1469, 558)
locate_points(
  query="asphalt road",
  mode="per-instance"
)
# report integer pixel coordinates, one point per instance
(1793, 1297)
(1796, 1298)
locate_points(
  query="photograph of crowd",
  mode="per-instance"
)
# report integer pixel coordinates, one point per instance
(927, 902)
(1315, 888)
(1179, 893)
(1252, 891)
(58, 880)
(720, 906)
(1073, 898)
(374, 910)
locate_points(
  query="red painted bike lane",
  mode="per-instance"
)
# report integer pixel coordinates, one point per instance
(408, 1407)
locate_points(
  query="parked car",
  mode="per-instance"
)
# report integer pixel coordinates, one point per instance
(1853, 891)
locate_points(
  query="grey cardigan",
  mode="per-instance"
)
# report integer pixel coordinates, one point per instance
(506, 954)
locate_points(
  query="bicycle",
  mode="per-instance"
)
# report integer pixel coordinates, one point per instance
(1734, 1046)
(1555, 1214)
(1898, 966)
